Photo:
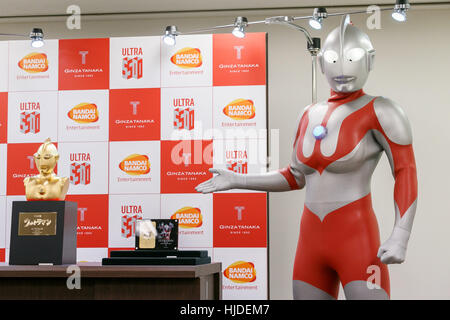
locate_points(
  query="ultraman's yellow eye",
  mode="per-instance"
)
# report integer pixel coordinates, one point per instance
(48, 156)
(354, 54)
(330, 56)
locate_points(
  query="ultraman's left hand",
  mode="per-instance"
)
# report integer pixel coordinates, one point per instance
(394, 249)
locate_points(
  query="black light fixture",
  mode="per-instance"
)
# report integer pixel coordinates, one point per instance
(400, 8)
(37, 37)
(239, 27)
(318, 15)
(169, 35)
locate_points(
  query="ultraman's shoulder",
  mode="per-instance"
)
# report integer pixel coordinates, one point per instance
(393, 120)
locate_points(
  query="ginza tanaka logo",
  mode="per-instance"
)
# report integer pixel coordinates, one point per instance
(187, 58)
(135, 164)
(30, 117)
(80, 168)
(240, 109)
(241, 272)
(84, 113)
(132, 64)
(34, 63)
(188, 217)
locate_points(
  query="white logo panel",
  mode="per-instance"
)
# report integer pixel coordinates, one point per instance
(83, 115)
(239, 111)
(186, 113)
(9, 204)
(86, 165)
(250, 282)
(32, 116)
(194, 213)
(188, 63)
(2, 222)
(33, 69)
(124, 210)
(135, 62)
(4, 58)
(134, 167)
(3, 161)
(91, 254)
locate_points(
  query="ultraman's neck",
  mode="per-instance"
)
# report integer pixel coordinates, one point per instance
(345, 97)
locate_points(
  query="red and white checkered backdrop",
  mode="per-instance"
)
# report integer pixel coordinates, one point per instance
(137, 125)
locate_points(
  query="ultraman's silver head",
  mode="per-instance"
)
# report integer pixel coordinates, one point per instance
(347, 57)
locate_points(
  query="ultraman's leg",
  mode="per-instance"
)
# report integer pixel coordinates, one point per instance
(305, 291)
(358, 290)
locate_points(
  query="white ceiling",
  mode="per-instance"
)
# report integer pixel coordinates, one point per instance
(27, 8)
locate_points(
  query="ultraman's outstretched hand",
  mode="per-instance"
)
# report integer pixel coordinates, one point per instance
(285, 179)
(224, 180)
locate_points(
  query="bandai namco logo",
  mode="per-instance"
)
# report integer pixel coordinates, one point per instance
(135, 164)
(240, 109)
(188, 217)
(241, 272)
(84, 113)
(34, 62)
(187, 58)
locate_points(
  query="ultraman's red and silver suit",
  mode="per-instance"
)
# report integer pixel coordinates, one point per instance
(337, 146)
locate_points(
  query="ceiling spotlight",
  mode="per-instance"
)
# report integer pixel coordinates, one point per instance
(37, 38)
(318, 15)
(400, 8)
(239, 27)
(169, 35)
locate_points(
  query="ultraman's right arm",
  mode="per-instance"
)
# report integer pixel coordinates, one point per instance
(285, 179)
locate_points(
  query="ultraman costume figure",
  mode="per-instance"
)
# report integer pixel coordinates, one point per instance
(337, 146)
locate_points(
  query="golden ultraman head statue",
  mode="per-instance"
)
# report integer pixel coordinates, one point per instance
(46, 185)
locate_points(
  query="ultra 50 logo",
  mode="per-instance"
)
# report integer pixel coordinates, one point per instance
(84, 113)
(34, 63)
(187, 58)
(237, 161)
(30, 118)
(132, 63)
(240, 109)
(183, 117)
(188, 217)
(135, 164)
(80, 171)
(130, 213)
(241, 272)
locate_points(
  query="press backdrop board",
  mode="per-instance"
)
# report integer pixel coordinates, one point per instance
(137, 125)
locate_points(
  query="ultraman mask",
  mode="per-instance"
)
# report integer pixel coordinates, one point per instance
(346, 57)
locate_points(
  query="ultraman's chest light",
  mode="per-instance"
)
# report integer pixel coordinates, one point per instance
(319, 132)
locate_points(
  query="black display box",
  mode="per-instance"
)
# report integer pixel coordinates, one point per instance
(43, 232)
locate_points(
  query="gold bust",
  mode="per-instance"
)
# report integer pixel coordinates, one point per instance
(46, 185)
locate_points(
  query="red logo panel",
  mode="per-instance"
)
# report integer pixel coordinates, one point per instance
(240, 220)
(2, 255)
(92, 228)
(185, 164)
(3, 116)
(20, 165)
(134, 114)
(83, 64)
(239, 61)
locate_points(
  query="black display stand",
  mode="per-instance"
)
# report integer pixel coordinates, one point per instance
(58, 248)
(157, 257)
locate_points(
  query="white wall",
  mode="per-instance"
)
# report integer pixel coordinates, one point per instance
(412, 67)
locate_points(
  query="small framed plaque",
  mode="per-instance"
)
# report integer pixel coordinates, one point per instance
(159, 234)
